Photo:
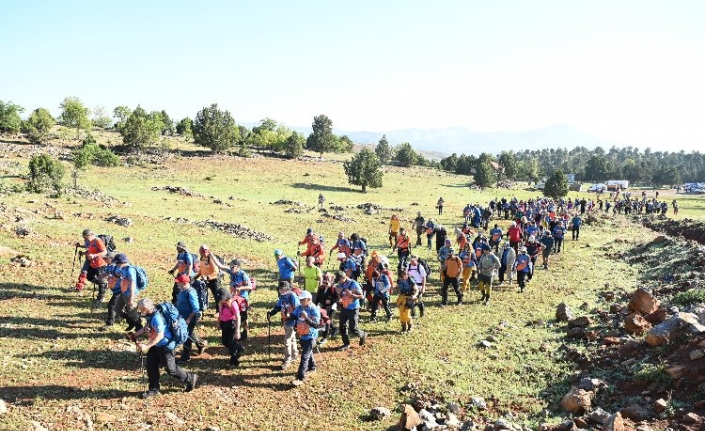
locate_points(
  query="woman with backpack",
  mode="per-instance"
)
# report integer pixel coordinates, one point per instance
(405, 302)
(209, 271)
(229, 322)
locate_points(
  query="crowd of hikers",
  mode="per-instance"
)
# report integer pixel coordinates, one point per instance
(337, 281)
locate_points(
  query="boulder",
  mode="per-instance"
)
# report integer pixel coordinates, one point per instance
(452, 421)
(636, 324)
(579, 322)
(577, 400)
(658, 316)
(566, 425)
(677, 324)
(409, 419)
(598, 416)
(479, 403)
(576, 332)
(614, 423)
(660, 239)
(643, 302)
(3, 407)
(592, 385)
(660, 405)
(380, 413)
(636, 413)
(691, 418)
(696, 354)
(564, 313)
(453, 408)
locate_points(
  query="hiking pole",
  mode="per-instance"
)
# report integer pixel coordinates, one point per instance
(269, 338)
(142, 370)
(73, 265)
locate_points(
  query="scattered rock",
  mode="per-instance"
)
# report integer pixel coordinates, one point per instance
(236, 230)
(614, 423)
(577, 400)
(636, 413)
(453, 408)
(660, 239)
(478, 403)
(467, 426)
(128, 240)
(658, 316)
(38, 426)
(501, 424)
(564, 313)
(409, 419)
(212, 428)
(340, 217)
(22, 231)
(3, 407)
(452, 421)
(122, 221)
(696, 354)
(576, 332)
(691, 418)
(636, 324)
(491, 338)
(179, 190)
(486, 344)
(598, 416)
(105, 417)
(545, 346)
(592, 385)
(660, 405)
(581, 423)
(22, 261)
(380, 413)
(616, 308)
(679, 323)
(579, 322)
(171, 417)
(643, 301)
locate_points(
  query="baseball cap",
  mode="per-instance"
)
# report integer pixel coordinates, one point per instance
(87, 232)
(340, 275)
(181, 244)
(183, 278)
(120, 259)
(278, 252)
(284, 285)
(235, 262)
(305, 295)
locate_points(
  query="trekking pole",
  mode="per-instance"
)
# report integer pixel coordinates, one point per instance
(269, 339)
(142, 370)
(73, 265)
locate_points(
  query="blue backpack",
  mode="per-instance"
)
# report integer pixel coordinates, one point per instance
(201, 289)
(142, 281)
(174, 321)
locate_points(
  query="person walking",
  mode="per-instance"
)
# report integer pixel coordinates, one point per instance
(209, 271)
(408, 292)
(453, 268)
(506, 268)
(94, 263)
(350, 294)
(307, 317)
(486, 266)
(189, 310)
(418, 274)
(229, 322)
(286, 304)
(287, 267)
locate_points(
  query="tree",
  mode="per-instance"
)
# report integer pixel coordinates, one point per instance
(74, 115)
(294, 145)
(140, 130)
(450, 163)
(38, 126)
(322, 138)
(101, 119)
(509, 164)
(405, 155)
(384, 151)
(344, 144)
(484, 174)
(184, 128)
(122, 113)
(45, 173)
(215, 129)
(364, 170)
(10, 121)
(596, 168)
(556, 185)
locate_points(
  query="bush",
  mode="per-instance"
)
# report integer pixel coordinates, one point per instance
(45, 174)
(689, 297)
(93, 154)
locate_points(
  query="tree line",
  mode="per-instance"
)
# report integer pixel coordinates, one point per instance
(645, 167)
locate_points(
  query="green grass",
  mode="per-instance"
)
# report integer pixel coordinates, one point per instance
(53, 357)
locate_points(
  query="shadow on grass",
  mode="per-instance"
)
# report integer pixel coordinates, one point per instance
(324, 188)
(30, 395)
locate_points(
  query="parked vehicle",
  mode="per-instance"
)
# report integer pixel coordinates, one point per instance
(597, 187)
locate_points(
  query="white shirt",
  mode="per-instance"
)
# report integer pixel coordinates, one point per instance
(416, 273)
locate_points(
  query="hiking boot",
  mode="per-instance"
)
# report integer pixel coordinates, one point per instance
(323, 341)
(297, 383)
(344, 348)
(403, 328)
(150, 393)
(191, 384)
(234, 361)
(285, 365)
(200, 348)
(311, 370)
(183, 360)
(363, 338)
(389, 319)
(409, 328)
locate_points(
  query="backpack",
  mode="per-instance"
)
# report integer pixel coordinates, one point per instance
(108, 241)
(201, 289)
(425, 266)
(195, 262)
(142, 281)
(177, 325)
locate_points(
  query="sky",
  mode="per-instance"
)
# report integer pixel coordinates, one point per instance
(630, 72)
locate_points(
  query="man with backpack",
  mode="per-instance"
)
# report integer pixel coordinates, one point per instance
(418, 272)
(350, 294)
(486, 266)
(287, 267)
(452, 268)
(430, 232)
(514, 233)
(307, 318)
(166, 331)
(240, 287)
(189, 310)
(495, 237)
(408, 292)
(186, 264)
(403, 247)
(576, 222)
(523, 268)
(558, 234)
(95, 254)
(419, 223)
(506, 268)
(382, 287)
(393, 231)
(548, 243)
(130, 286)
(209, 271)
(285, 305)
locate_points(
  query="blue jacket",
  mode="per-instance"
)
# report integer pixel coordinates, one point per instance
(313, 320)
(240, 278)
(158, 324)
(287, 268)
(187, 303)
(352, 286)
(290, 301)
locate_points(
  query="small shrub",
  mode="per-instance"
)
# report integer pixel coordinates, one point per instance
(45, 174)
(93, 154)
(689, 297)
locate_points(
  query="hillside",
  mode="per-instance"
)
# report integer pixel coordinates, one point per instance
(506, 364)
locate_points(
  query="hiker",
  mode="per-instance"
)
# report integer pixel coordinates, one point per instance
(209, 271)
(452, 269)
(548, 243)
(95, 254)
(467, 255)
(382, 289)
(403, 246)
(486, 266)
(575, 223)
(240, 287)
(229, 322)
(285, 305)
(418, 274)
(127, 301)
(515, 235)
(159, 349)
(306, 317)
(186, 263)
(287, 267)
(558, 234)
(443, 254)
(439, 205)
(430, 232)
(393, 231)
(343, 246)
(495, 237)
(507, 264)
(310, 240)
(533, 249)
(358, 250)
(190, 311)
(441, 236)
(321, 200)
(111, 274)
(467, 213)
(350, 295)
(327, 299)
(313, 276)
(316, 251)
(419, 223)
(408, 292)
(523, 268)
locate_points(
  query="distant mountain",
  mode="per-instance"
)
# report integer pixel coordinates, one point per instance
(445, 141)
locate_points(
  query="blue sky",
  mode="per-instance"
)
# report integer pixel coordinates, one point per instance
(632, 72)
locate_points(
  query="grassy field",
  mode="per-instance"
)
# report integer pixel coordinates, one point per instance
(59, 369)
